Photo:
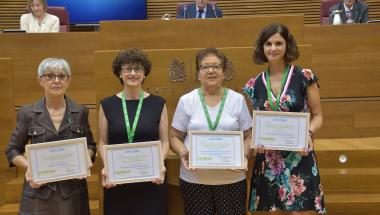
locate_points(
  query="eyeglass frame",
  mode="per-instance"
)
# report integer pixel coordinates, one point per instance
(129, 69)
(213, 67)
(59, 76)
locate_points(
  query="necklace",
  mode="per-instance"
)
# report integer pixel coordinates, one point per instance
(60, 111)
(56, 114)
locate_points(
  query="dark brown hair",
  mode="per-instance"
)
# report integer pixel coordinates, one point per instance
(291, 52)
(131, 56)
(210, 51)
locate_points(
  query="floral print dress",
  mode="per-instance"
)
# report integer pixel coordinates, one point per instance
(285, 180)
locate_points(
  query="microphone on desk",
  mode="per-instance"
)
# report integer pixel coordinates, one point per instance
(213, 9)
(166, 16)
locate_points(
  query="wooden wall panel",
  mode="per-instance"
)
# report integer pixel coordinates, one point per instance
(10, 13)
(350, 119)
(11, 10)
(179, 34)
(6, 119)
(28, 50)
(346, 59)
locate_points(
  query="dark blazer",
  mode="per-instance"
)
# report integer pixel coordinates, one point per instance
(34, 124)
(359, 12)
(189, 11)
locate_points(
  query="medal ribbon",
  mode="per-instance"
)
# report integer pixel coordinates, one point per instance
(131, 132)
(269, 94)
(211, 126)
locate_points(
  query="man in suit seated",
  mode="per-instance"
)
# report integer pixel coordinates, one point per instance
(351, 11)
(200, 9)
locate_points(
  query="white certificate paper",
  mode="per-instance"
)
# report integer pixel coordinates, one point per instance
(133, 162)
(216, 149)
(280, 130)
(58, 160)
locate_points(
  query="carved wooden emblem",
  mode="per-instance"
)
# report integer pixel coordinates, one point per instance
(230, 72)
(177, 71)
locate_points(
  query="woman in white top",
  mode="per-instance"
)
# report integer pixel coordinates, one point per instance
(38, 20)
(210, 192)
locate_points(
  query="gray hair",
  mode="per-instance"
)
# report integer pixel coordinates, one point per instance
(53, 63)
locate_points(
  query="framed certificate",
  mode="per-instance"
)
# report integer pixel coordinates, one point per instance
(133, 162)
(216, 149)
(280, 130)
(58, 160)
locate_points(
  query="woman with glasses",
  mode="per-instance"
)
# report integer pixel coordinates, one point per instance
(134, 115)
(38, 20)
(285, 181)
(54, 117)
(215, 108)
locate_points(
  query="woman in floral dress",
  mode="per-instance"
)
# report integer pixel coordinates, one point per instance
(284, 181)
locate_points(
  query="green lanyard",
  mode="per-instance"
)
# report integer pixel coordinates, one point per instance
(202, 97)
(269, 94)
(131, 133)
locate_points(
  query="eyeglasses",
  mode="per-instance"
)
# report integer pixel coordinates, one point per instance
(129, 69)
(214, 67)
(53, 76)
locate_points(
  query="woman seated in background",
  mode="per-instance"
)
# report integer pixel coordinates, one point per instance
(38, 20)
(54, 117)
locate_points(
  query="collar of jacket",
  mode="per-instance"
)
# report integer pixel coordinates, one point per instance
(70, 105)
(44, 120)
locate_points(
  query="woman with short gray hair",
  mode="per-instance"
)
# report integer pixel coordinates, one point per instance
(54, 117)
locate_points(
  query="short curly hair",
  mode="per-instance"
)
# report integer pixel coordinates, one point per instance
(210, 51)
(131, 56)
(291, 52)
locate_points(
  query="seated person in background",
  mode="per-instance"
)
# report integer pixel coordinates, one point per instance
(352, 11)
(38, 20)
(200, 9)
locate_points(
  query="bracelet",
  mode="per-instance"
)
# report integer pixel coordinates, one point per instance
(311, 134)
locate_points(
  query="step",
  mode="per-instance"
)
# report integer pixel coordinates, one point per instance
(360, 152)
(350, 180)
(12, 209)
(13, 189)
(353, 204)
